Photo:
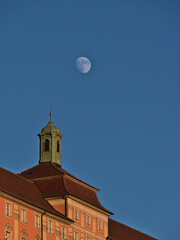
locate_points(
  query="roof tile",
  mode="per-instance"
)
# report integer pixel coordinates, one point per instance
(119, 231)
(25, 190)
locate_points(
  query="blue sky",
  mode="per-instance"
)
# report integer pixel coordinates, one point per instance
(120, 121)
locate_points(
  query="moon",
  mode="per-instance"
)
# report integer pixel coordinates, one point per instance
(83, 64)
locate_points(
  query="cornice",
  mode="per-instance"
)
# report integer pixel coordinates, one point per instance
(108, 213)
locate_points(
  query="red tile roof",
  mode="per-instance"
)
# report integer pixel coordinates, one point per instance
(51, 187)
(61, 186)
(54, 181)
(47, 170)
(119, 231)
(25, 190)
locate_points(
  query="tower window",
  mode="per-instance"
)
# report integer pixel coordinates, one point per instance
(57, 146)
(46, 145)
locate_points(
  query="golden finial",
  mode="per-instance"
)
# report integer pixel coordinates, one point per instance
(50, 113)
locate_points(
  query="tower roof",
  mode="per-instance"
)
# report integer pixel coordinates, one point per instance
(50, 129)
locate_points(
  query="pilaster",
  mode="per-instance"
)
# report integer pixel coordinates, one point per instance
(16, 220)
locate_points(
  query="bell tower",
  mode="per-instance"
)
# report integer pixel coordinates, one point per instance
(50, 143)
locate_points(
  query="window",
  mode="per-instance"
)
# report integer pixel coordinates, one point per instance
(46, 147)
(37, 221)
(50, 227)
(8, 232)
(24, 235)
(88, 220)
(76, 236)
(57, 146)
(23, 216)
(37, 237)
(99, 225)
(63, 232)
(8, 209)
(76, 215)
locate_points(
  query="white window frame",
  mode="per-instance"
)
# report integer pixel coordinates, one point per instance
(8, 209)
(88, 220)
(99, 225)
(50, 227)
(76, 215)
(23, 215)
(37, 221)
(76, 236)
(63, 232)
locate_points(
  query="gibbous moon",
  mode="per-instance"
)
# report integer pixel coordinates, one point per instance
(83, 64)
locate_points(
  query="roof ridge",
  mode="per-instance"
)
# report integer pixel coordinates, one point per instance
(29, 169)
(64, 172)
(53, 165)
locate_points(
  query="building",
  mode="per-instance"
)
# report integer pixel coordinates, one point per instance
(48, 203)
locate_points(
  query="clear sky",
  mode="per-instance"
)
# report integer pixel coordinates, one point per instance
(121, 121)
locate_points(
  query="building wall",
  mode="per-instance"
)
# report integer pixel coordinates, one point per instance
(78, 212)
(21, 220)
(3, 219)
(20, 227)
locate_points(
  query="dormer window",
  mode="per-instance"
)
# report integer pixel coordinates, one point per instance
(46, 146)
(57, 146)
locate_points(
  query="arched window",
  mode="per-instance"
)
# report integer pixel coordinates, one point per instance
(8, 232)
(37, 237)
(57, 146)
(24, 235)
(46, 147)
